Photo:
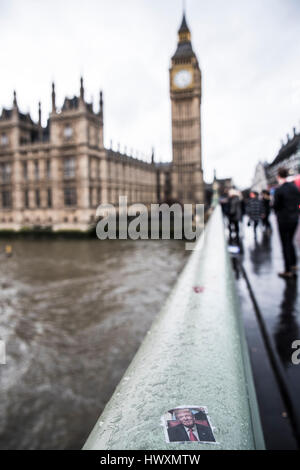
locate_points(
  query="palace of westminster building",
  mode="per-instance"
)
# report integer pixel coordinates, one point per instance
(56, 176)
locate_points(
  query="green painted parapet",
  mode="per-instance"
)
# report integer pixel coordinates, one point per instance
(194, 355)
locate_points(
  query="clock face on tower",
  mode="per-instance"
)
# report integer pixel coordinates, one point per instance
(183, 78)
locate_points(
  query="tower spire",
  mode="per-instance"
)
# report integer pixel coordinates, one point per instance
(40, 123)
(40, 114)
(53, 98)
(81, 89)
(184, 32)
(15, 104)
(101, 104)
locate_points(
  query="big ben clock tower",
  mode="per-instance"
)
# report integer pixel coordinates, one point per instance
(185, 91)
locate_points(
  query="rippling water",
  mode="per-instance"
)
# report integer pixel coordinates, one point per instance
(73, 314)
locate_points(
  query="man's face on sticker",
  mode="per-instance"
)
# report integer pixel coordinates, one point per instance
(185, 417)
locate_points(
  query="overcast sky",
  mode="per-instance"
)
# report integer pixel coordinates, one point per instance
(248, 52)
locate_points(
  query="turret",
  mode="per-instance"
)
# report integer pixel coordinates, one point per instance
(53, 98)
(40, 123)
(101, 105)
(81, 89)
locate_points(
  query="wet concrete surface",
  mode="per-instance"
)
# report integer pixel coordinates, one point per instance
(278, 301)
(73, 314)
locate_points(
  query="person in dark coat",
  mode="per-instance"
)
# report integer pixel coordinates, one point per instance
(234, 213)
(188, 429)
(286, 206)
(266, 202)
(224, 202)
(254, 210)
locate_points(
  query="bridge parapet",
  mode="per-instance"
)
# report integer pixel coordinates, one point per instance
(195, 354)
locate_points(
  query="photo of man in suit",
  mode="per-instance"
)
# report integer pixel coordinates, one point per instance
(188, 428)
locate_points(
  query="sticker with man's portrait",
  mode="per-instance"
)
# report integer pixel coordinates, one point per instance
(188, 424)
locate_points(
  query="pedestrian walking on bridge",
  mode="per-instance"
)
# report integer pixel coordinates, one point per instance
(234, 213)
(286, 206)
(266, 202)
(254, 210)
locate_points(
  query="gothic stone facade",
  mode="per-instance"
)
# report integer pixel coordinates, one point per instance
(58, 175)
(287, 157)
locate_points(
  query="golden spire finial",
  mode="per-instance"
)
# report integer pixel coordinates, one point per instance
(184, 32)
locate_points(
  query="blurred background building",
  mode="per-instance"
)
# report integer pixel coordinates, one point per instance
(56, 176)
(287, 157)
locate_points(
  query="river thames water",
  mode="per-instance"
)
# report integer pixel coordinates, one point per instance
(73, 314)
